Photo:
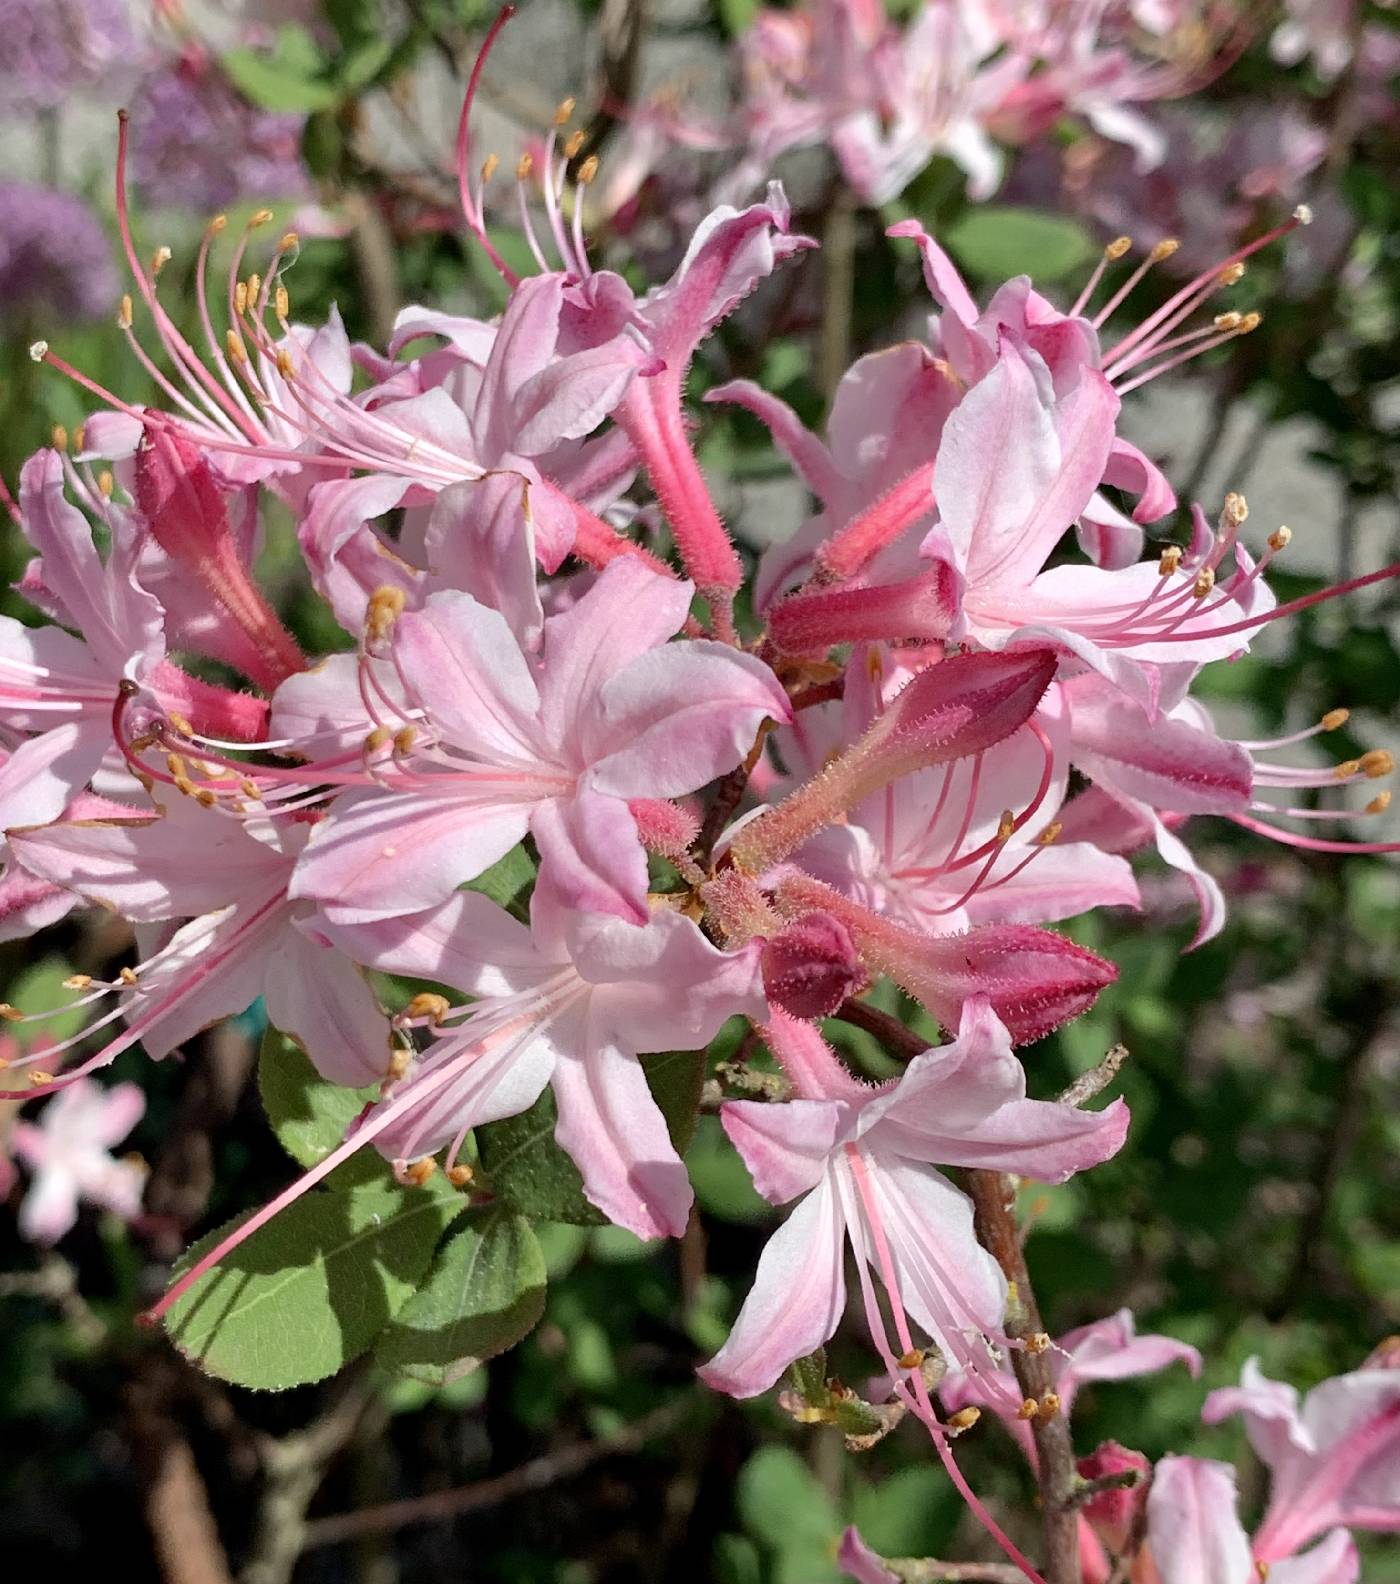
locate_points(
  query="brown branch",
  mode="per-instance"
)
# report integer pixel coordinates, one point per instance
(538, 1474)
(1096, 1080)
(899, 1041)
(728, 796)
(929, 1570)
(993, 1197)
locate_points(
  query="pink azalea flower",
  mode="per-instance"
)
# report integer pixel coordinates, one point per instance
(244, 937)
(1194, 1535)
(68, 1153)
(861, 1161)
(1334, 1457)
(571, 1001)
(1105, 1350)
(505, 743)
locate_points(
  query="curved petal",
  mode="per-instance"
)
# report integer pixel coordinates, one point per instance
(1193, 1530)
(317, 996)
(785, 1147)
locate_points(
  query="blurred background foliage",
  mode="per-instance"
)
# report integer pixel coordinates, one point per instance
(1255, 1210)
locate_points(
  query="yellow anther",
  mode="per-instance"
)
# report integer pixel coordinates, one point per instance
(79, 437)
(1117, 248)
(184, 786)
(127, 976)
(523, 166)
(240, 298)
(428, 1004)
(1379, 804)
(1334, 718)
(1347, 769)
(1049, 1406)
(564, 111)
(399, 1062)
(1038, 1342)
(404, 739)
(1251, 321)
(289, 242)
(384, 609)
(1205, 582)
(1236, 507)
(379, 738)
(205, 798)
(489, 166)
(1263, 1569)
(159, 259)
(36, 1078)
(1164, 249)
(588, 170)
(1050, 834)
(964, 1419)
(1028, 1409)
(1006, 826)
(282, 301)
(106, 483)
(1228, 321)
(460, 1176)
(420, 1171)
(234, 346)
(1231, 274)
(59, 435)
(573, 143)
(217, 224)
(10, 1014)
(260, 218)
(1170, 562)
(176, 766)
(77, 982)
(285, 367)
(254, 287)
(913, 1359)
(1281, 537)
(1379, 762)
(250, 789)
(124, 312)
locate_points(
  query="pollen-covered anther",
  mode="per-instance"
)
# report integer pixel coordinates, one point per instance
(384, 609)
(963, 1420)
(59, 436)
(204, 797)
(1347, 769)
(911, 1360)
(404, 739)
(428, 1004)
(1251, 321)
(588, 170)
(124, 312)
(1050, 835)
(564, 111)
(260, 217)
(1049, 1406)
(159, 259)
(1038, 1342)
(10, 1014)
(1170, 562)
(573, 143)
(1263, 1569)
(254, 287)
(1228, 321)
(240, 298)
(1028, 1409)
(420, 1171)
(460, 1176)
(1164, 249)
(289, 242)
(79, 437)
(1205, 582)
(1281, 537)
(377, 739)
(128, 977)
(1334, 719)
(106, 483)
(1231, 274)
(489, 166)
(1117, 248)
(250, 789)
(1379, 804)
(36, 1078)
(78, 981)
(523, 166)
(1378, 762)
(1006, 826)
(1236, 508)
(234, 346)
(399, 1062)
(217, 224)
(285, 367)
(282, 301)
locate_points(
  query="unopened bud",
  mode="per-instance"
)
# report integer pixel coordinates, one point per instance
(811, 966)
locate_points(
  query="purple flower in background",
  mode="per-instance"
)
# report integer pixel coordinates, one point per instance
(51, 49)
(197, 143)
(55, 259)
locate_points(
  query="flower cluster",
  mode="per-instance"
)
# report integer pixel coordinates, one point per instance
(956, 700)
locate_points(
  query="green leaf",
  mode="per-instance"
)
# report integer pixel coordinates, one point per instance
(529, 1172)
(507, 882)
(311, 1290)
(676, 1079)
(995, 242)
(737, 15)
(721, 1180)
(484, 1293)
(786, 1510)
(308, 1115)
(909, 1513)
(40, 988)
(290, 78)
(809, 1376)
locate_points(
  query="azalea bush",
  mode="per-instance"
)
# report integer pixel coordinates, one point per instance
(729, 914)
